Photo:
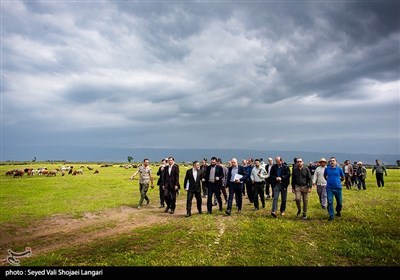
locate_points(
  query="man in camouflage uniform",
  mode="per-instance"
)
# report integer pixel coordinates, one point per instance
(144, 181)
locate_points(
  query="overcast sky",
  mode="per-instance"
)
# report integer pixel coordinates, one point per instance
(265, 75)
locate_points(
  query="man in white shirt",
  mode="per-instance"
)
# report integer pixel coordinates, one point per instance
(320, 182)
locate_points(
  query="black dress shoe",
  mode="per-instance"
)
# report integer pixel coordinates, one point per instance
(298, 213)
(188, 215)
(166, 210)
(172, 212)
(228, 212)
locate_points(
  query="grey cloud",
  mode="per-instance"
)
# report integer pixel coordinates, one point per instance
(202, 74)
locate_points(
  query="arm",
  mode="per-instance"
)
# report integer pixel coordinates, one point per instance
(272, 175)
(314, 177)
(151, 179)
(177, 186)
(286, 174)
(293, 180)
(263, 174)
(309, 180)
(134, 174)
(341, 174)
(186, 178)
(252, 175)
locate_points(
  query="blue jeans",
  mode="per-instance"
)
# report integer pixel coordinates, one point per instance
(279, 189)
(338, 196)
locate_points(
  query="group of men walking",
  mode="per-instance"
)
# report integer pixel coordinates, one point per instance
(212, 180)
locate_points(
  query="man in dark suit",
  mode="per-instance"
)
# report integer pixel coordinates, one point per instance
(171, 184)
(213, 179)
(192, 183)
(280, 177)
(160, 173)
(268, 183)
(235, 185)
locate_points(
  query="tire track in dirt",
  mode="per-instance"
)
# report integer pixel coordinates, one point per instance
(62, 231)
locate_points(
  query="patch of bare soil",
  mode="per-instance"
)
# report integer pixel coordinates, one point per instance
(62, 231)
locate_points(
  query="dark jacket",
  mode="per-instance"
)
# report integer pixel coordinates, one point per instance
(170, 181)
(241, 171)
(160, 178)
(285, 175)
(301, 177)
(219, 172)
(194, 186)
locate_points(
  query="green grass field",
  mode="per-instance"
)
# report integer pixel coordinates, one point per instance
(367, 234)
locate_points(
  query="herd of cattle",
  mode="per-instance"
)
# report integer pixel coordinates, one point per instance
(43, 171)
(29, 171)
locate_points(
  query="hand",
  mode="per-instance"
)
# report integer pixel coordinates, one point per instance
(309, 190)
(216, 178)
(176, 188)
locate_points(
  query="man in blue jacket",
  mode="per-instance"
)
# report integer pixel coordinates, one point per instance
(334, 176)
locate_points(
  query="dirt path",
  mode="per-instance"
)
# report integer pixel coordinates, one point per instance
(60, 231)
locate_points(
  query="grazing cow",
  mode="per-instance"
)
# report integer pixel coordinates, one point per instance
(96, 172)
(89, 167)
(65, 168)
(18, 173)
(52, 173)
(76, 172)
(27, 169)
(10, 172)
(44, 172)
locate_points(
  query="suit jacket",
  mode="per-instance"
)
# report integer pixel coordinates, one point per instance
(268, 180)
(285, 175)
(194, 186)
(170, 181)
(160, 174)
(241, 171)
(219, 172)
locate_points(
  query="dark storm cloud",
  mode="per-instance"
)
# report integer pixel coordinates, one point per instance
(203, 74)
